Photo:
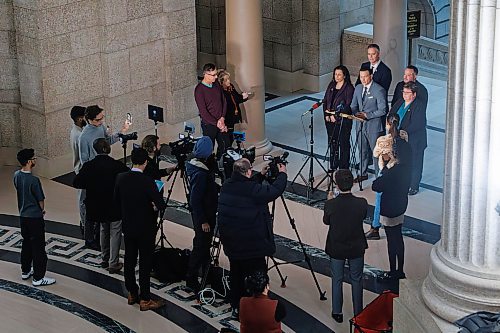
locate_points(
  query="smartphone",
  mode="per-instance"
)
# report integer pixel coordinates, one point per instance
(129, 118)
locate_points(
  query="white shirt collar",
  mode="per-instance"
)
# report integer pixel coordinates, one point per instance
(136, 169)
(374, 66)
(368, 86)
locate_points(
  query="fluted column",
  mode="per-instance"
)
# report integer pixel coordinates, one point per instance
(245, 62)
(389, 32)
(465, 265)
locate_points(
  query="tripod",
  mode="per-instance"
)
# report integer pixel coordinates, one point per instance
(310, 159)
(306, 259)
(180, 167)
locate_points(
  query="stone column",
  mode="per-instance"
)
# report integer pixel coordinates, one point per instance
(245, 62)
(465, 265)
(389, 32)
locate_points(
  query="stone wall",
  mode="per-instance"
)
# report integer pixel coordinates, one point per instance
(10, 134)
(120, 54)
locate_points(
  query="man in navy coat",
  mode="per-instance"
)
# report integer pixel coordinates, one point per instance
(381, 73)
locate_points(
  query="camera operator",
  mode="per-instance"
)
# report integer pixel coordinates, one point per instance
(203, 201)
(245, 224)
(151, 143)
(95, 130)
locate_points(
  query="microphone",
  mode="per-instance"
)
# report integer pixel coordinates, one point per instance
(314, 107)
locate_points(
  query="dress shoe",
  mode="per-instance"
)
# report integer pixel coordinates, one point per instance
(104, 264)
(115, 269)
(372, 234)
(360, 179)
(193, 284)
(151, 305)
(338, 317)
(132, 299)
(412, 191)
(397, 275)
(235, 315)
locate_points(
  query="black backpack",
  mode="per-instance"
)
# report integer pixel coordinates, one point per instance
(170, 264)
(480, 322)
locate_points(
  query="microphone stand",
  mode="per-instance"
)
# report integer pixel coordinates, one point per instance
(310, 159)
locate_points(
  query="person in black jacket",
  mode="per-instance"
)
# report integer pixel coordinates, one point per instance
(394, 183)
(151, 144)
(203, 202)
(345, 241)
(98, 177)
(338, 98)
(139, 200)
(233, 101)
(381, 73)
(245, 224)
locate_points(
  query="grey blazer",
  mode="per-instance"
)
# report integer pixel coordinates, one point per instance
(374, 105)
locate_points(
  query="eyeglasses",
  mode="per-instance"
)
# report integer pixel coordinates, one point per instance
(407, 92)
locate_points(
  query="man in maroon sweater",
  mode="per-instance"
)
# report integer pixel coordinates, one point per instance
(211, 103)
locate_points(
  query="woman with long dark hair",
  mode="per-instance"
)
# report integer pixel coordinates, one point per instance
(392, 186)
(337, 100)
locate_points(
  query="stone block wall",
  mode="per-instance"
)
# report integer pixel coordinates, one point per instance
(120, 54)
(354, 12)
(9, 78)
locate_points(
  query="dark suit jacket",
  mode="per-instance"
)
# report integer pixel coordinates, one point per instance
(382, 75)
(135, 194)
(394, 184)
(98, 177)
(344, 215)
(422, 94)
(414, 123)
(343, 97)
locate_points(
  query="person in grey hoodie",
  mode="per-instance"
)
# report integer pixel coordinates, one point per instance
(203, 202)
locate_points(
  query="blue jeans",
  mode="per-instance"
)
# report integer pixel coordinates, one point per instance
(376, 213)
(356, 277)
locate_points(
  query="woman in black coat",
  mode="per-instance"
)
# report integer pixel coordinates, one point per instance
(233, 100)
(338, 97)
(393, 184)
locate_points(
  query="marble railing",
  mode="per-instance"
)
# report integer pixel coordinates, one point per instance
(430, 56)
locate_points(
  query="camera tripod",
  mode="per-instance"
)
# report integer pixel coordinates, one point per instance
(306, 259)
(180, 168)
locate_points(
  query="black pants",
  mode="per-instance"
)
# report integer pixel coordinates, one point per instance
(215, 134)
(417, 159)
(395, 248)
(339, 140)
(142, 245)
(92, 231)
(240, 269)
(200, 256)
(33, 247)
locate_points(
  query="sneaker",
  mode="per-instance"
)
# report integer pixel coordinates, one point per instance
(151, 305)
(43, 282)
(26, 276)
(372, 234)
(115, 269)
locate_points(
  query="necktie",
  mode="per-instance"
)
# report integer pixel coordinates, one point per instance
(364, 94)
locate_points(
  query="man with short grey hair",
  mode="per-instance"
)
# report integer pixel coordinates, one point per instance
(245, 224)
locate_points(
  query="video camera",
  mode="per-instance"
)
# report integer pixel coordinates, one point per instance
(273, 171)
(126, 137)
(232, 155)
(185, 145)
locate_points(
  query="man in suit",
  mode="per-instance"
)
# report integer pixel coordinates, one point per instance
(410, 75)
(369, 103)
(412, 113)
(381, 73)
(139, 200)
(98, 177)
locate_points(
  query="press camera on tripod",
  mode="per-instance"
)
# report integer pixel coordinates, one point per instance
(184, 146)
(273, 170)
(232, 155)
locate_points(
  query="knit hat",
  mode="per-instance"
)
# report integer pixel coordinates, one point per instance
(203, 147)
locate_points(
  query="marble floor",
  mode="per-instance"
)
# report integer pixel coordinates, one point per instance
(87, 298)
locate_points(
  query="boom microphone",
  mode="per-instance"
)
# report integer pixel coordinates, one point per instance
(314, 107)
